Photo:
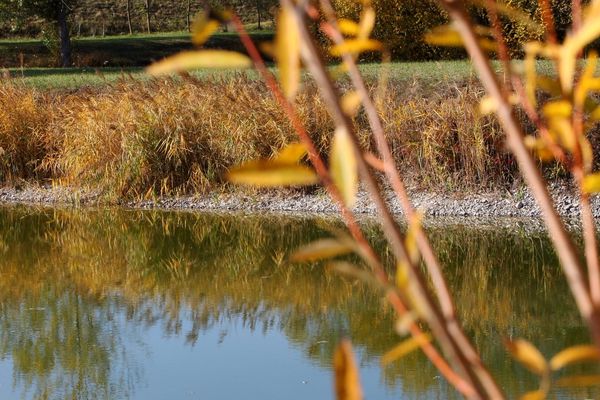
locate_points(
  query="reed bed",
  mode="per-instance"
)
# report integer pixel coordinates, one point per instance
(136, 139)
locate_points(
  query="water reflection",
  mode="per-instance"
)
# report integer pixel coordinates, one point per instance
(91, 300)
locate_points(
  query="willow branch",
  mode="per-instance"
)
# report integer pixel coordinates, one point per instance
(562, 243)
(428, 349)
(312, 59)
(391, 171)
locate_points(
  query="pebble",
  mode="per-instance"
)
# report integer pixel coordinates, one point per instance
(488, 204)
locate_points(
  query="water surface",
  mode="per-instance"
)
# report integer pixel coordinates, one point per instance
(115, 304)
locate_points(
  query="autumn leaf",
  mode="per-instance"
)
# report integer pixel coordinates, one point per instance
(578, 381)
(321, 249)
(591, 183)
(267, 173)
(343, 166)
(348, 27)
(355, 46)
(574, 354)
(292, 153)
(203, 27)
(528, 355)
(190, 60)
(404, 348)
(287, 52)
(351, 102)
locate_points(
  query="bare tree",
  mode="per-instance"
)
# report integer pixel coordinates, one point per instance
(147, 5)
(128, 12)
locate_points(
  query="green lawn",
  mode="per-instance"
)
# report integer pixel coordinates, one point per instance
(427, 73)
(101, 60)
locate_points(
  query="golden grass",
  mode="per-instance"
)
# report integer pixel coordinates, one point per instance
(136, 139)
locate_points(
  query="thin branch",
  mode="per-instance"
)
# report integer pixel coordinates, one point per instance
(435, 271)
(312, 59)
(492, 11)
(562, 242)
(548, 19)
(428, 349)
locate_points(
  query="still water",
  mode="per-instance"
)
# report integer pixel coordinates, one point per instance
(115, 304)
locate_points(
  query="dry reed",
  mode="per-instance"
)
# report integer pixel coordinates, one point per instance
(135, 139)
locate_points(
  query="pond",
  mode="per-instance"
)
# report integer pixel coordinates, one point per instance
(119, 304)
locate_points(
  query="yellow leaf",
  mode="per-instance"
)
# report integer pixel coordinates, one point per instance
(347, 382)
(402, 277)
(528, 355)
(573, 355)
(489, 104)
(595, 115)
(287, 52)
(267, 173)
(320, 250)
(562, 128)
(587, 82)
(589, 31)
(591, 183)
(189, 60)
(367, 22)
(355, 46)
(532, 50)
(344, 171)
(348, 27)
(268, 48)
(403, 324)
(202, 28)
(558, 109)
(540, 147)
(446, 36)
(534, 395)
(550, 85)
(404, 348)
(411, 238)
(292, 153)
(578, 381)
(351, 102)
(587, 154)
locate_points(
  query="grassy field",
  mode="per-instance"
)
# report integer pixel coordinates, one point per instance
(428, 74)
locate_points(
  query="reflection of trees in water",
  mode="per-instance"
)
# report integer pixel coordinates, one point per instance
(171, 268)
(66, 346)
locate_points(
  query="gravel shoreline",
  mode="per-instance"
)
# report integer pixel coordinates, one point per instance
(517, 203)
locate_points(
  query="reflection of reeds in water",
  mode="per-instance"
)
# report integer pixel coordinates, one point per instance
(166, 267)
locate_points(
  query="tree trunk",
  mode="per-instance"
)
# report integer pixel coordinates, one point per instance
(147, 2)
(64, 36)
(259, 27)
(128, 10)
(188, 17)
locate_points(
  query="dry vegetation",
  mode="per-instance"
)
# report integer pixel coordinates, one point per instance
(134, 139)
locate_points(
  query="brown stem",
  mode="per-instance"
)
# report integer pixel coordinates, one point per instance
(576, 13)
(492, 11)
(548, 19)
(428, 349)
(591, 248)
(562, 243)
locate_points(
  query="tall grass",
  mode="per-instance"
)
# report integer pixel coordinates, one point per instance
(164, 137)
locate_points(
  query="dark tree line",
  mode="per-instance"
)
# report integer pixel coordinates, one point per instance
(67, 16)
